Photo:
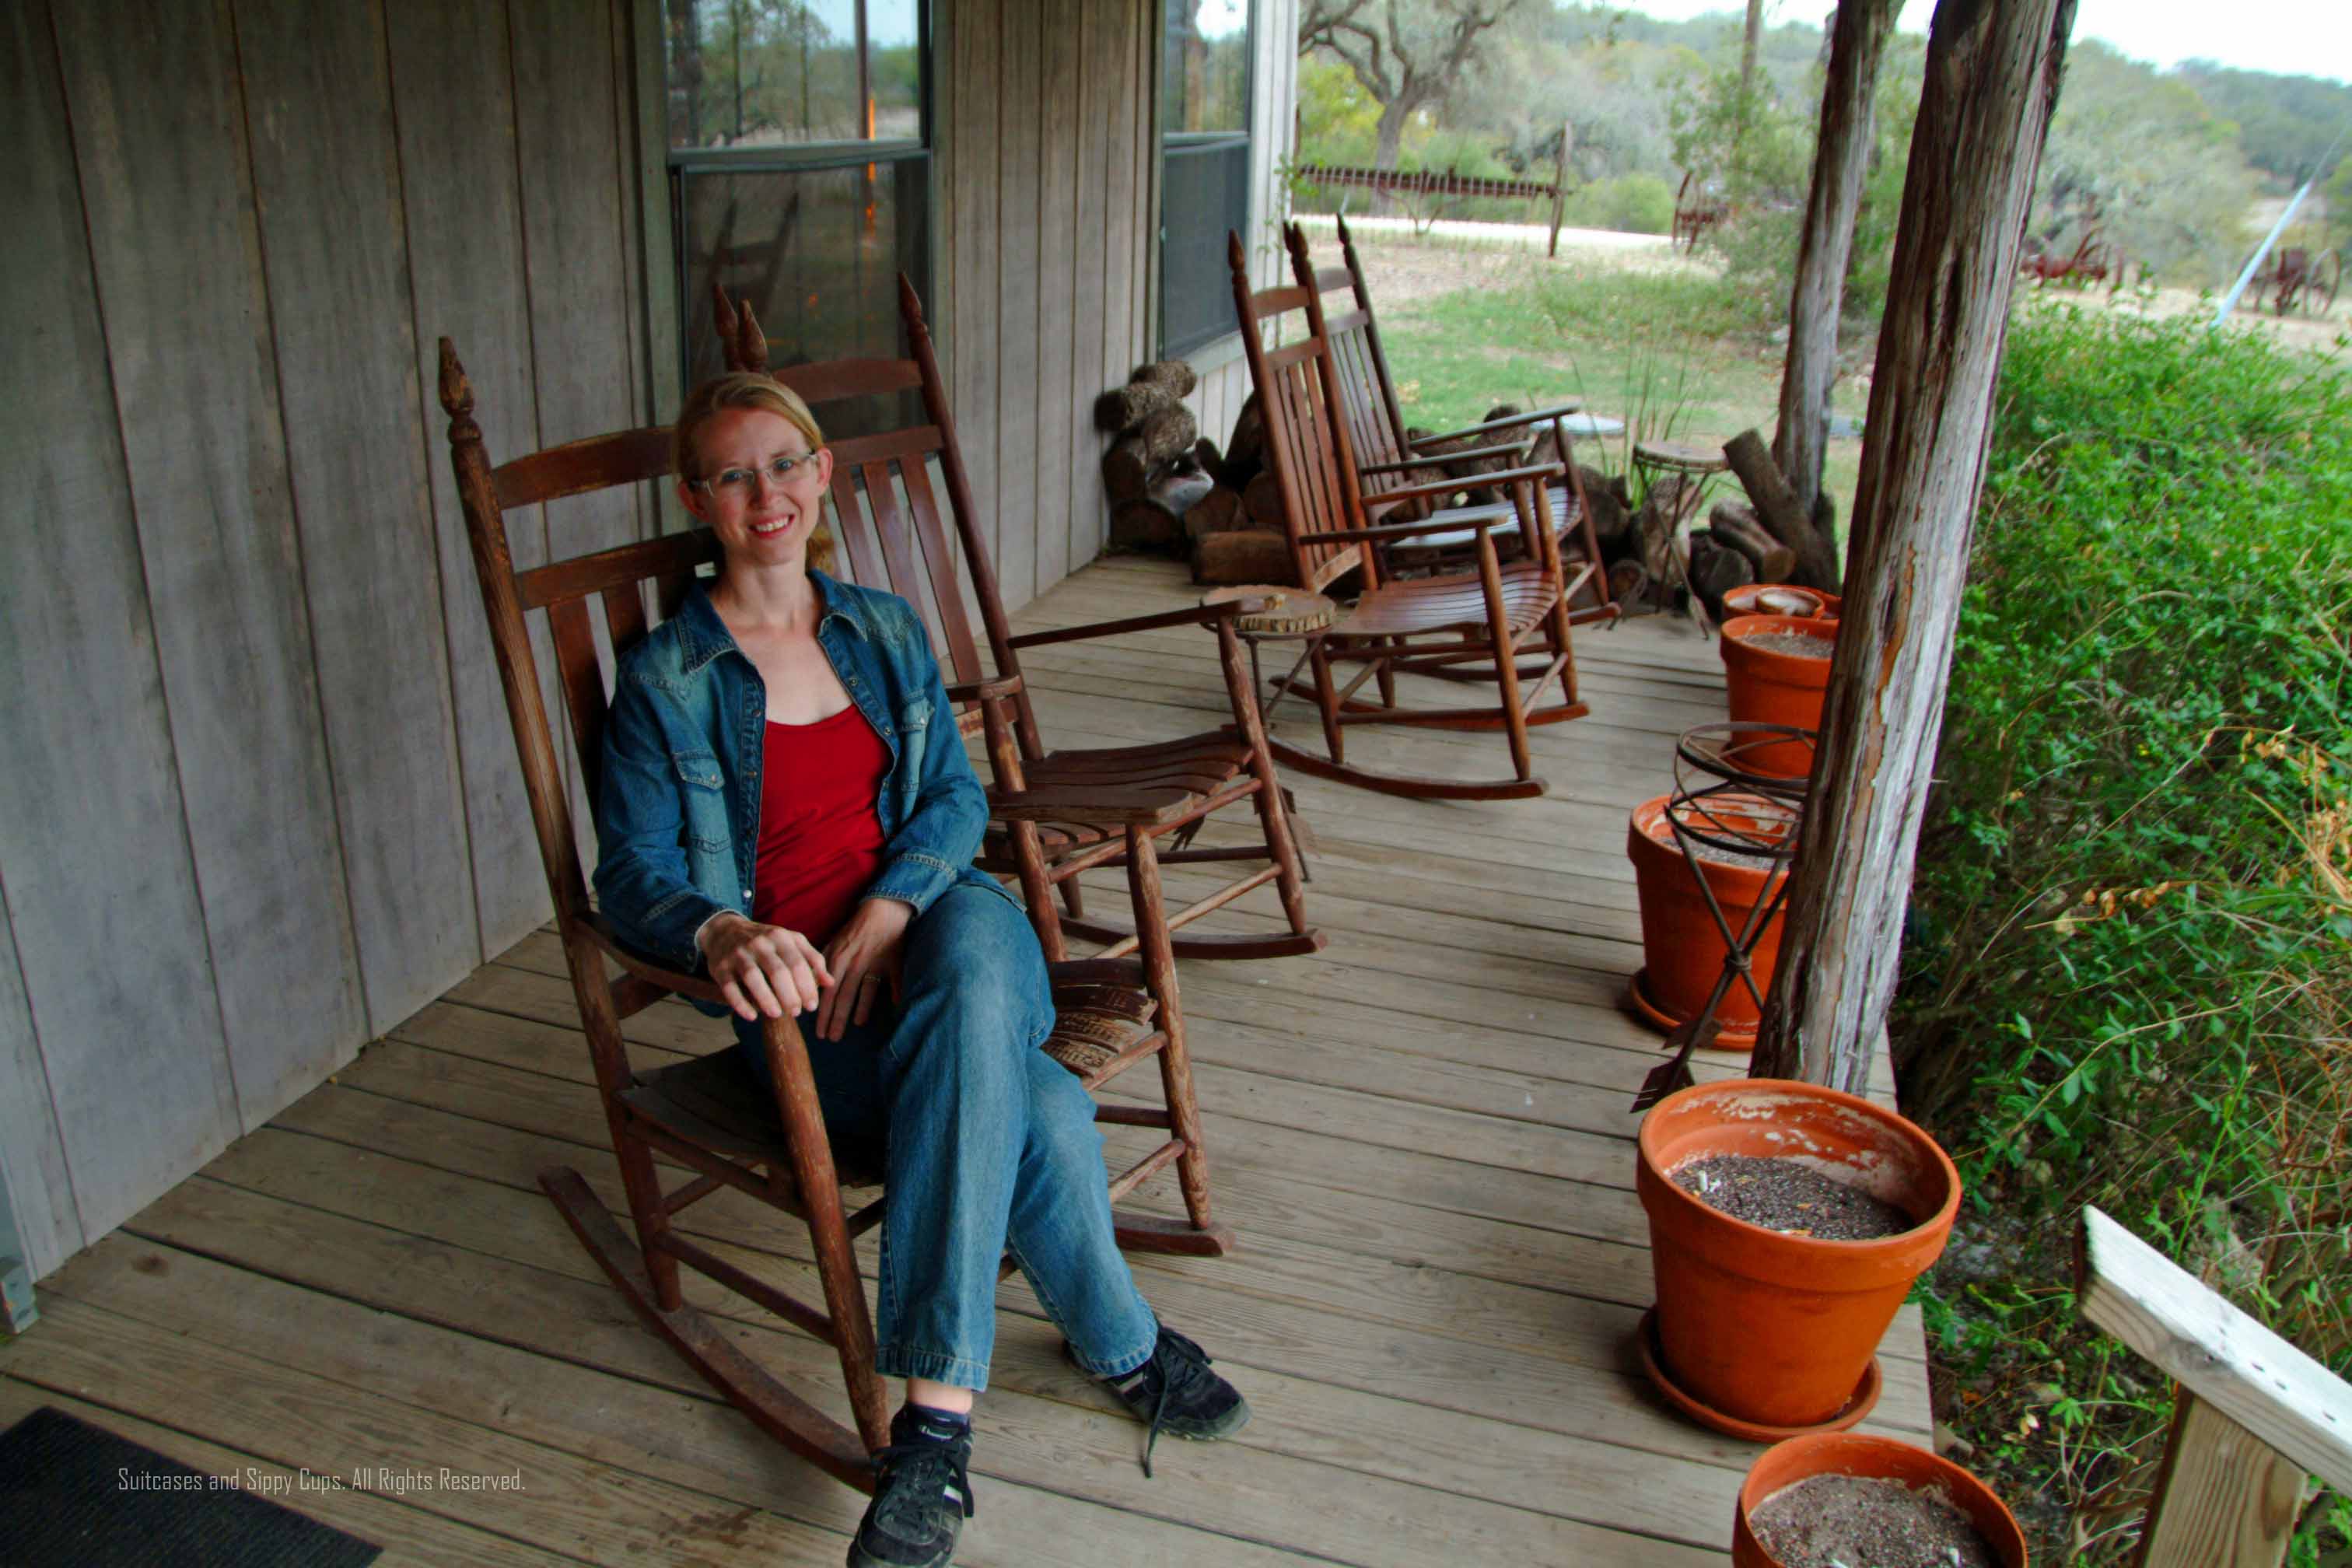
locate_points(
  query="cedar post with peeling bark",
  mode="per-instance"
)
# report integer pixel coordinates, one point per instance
(1841, 160)
(1991, 81)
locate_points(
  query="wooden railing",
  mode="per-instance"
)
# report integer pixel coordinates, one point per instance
(2254, 1416)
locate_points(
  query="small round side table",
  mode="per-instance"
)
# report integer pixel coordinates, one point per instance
(1288, 614)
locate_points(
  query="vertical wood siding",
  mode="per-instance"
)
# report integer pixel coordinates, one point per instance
(1048, 171)
(259, 800)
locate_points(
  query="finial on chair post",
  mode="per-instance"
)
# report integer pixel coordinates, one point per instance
(910, 310)
(730, 328)
(1235, 255)
(1294, 240)
(739, 338)
(1342, 219)
(755, 341)
(458, 398)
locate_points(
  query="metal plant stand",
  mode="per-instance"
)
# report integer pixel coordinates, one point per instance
(1719, 804)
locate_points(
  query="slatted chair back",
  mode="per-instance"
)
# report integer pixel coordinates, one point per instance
(1307, 444)
(891, 531)
(1367, 399)
(610, 586)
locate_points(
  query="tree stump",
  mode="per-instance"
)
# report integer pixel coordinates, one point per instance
(1243, 556)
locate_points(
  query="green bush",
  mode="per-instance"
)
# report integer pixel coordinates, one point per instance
(2129, 981)
(1631, 204)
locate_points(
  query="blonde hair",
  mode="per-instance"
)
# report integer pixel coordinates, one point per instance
(747, 389)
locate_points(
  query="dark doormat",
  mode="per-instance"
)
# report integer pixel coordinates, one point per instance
(73, 1494)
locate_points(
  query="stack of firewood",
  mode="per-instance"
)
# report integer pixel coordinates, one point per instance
(1152, 473)
(1764, 539)
(1235, 533)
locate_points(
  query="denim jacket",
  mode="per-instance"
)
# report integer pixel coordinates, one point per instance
(679, 813)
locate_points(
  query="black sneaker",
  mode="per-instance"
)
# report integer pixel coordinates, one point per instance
(921, 1493)
(1176, 1392)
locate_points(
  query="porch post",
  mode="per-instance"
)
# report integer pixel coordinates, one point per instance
(1991, 81)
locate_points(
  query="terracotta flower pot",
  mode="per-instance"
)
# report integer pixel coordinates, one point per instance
(1682, 950)
(1748, 599)
(1881, 1458)
(1762, 1333)
(1776, 688)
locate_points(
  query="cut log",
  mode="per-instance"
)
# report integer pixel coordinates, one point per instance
(1217, 512)
(1243, 556)
(1169, 432)
(1734, 527)
(1245, 449)
(1714, 570)
(1173, 373)
(1124, 407)
(1612, 510)
(1262, 498)
(1127, 472)
(1629, 585)
(1777, 507)
(1468, 468)
(1140, 525)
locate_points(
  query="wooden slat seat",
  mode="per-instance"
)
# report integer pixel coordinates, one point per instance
(1566, 519)
(1195, 766)
(1421, 604)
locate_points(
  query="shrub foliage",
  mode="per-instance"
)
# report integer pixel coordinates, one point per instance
(2130, 977)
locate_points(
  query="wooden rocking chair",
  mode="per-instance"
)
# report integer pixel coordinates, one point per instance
(1387, 457)
(1483, 618)
(1229, 767)
(709, 1115)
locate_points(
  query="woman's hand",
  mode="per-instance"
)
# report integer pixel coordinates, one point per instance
(865, 954)
(763, 969)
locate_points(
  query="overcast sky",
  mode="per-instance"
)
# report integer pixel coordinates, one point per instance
(2297, 38)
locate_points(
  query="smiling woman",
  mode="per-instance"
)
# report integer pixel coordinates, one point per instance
(785, 799)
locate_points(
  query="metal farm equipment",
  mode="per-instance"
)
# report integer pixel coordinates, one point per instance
(2091, 262)
(2299, 278)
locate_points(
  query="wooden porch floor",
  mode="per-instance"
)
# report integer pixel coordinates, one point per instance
(1419, 1134)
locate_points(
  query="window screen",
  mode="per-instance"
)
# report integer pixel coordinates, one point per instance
(1204, 166)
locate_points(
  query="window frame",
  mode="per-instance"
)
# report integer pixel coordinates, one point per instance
(1196, 144)
(682, 164)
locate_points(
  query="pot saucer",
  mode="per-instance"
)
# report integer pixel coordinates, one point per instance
(1653, 1361)
(1729, 1039)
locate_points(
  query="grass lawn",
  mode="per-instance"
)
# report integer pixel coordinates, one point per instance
(1663, 345)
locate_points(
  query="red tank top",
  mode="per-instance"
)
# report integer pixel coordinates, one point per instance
(820, 835)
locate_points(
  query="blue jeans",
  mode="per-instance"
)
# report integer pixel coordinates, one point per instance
(988, 1143)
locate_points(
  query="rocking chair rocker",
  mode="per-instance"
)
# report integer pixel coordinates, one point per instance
(1229, 767)
(1484, 619)
(709, 1115)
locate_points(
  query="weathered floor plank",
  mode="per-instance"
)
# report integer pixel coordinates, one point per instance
(1419, 1133)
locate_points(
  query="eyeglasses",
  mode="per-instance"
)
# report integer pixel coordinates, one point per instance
(744, 483)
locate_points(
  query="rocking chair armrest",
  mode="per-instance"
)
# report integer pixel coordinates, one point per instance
(1148, 806)
(1509, 422)
(601, 931)
(1439, 459)
(1065, 972)
(1395, 533)
(1201, 614)
(1447, 487)
(994, 688)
